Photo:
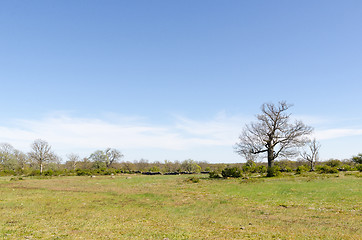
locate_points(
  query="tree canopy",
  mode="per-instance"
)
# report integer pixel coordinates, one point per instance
(273, 134)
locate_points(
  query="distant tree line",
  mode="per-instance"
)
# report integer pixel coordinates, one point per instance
(41, 160)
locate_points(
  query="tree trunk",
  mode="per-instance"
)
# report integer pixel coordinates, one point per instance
(41, 168)
(270, 157)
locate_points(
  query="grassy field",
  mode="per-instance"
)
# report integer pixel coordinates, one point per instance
(170, 207)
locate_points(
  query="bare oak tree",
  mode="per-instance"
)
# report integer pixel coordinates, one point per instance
(41, 153)
(273, 134)
(22, 159)
(312, 154)
(7, 157)
(73, 160)
(112, 156)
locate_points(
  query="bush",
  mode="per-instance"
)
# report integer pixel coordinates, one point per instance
(302, 169)
(345, 167)
(48, 173)
(7, 173)
(359, 167)
(154, 169)
(333, 163)
(326, 169)
(34, 173)
(246, 168)
(261, 169)
(273, 171)
(285, 165)
(249, 166)
(83, 172)
(21, 171)
(286, 169)
(233, 172)
(193, 179)
(16, 178)
(215, 174)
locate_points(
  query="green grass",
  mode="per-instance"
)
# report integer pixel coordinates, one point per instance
(310, 206)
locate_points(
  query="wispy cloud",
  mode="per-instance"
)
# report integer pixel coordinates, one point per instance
(327, 128)
(69, 132)
(337, 133)
(208, 139)
(221, 130)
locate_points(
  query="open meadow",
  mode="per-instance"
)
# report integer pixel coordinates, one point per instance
(310, 206)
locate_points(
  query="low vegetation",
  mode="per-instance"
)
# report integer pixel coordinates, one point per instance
(304, 206)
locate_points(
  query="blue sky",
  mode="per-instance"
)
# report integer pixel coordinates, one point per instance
(177, 79)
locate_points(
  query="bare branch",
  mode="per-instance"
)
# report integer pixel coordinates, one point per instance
(273, 133)
(312, 154)
(41, 153)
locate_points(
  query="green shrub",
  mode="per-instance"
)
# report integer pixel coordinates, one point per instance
(246, 168)
(7, 172)
(333, 163)
(326, 169)
(83, 172)
(34, 173)
(285, 165)
(23, 171)
(193, 179)
(261, 169)
(249, 166)
(302, 169)
(233, 172)
(108, 171)
(359, 167)
(345, 167)
(154, 169)
(215, 174)
(16, 178)
(273, 171)
(48, 172)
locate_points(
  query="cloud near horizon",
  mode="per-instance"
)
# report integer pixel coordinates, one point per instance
(88, 133)
(84, 135)
(337, 133)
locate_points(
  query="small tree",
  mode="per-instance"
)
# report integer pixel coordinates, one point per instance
(128, 166)
(190, 165)
(41, 153)
(141, 165)
(312, 154)
(7, 156)
(357, 159)
(22, 159)
(105, 158)
(273, 134)
(73, 160)
(168, 166)
(112, 156)
(98, 158)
